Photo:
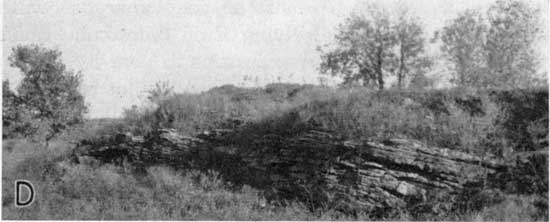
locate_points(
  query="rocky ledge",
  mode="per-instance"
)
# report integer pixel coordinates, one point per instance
(315, 166)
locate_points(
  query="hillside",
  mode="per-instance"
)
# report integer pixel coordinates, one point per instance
(502, 124)
(458, 119)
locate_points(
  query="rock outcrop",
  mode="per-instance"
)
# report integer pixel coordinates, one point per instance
(315, 166)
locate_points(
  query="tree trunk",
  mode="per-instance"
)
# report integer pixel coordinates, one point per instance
(399, 79)
(379, 73)
(401, 67)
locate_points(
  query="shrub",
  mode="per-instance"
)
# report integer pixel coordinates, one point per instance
(523, 112)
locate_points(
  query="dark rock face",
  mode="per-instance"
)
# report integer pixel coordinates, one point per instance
(314, 166)
(322, 169)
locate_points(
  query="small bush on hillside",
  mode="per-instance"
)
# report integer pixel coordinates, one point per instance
(525, 117)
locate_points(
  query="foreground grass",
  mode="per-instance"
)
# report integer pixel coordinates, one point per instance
(94, 191)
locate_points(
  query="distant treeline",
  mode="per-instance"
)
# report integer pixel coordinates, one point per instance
(491, 49)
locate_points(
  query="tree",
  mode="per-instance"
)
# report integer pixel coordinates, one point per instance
(497, 51)
(16, 120)
(9, 111)
(372, 46)
(463, 44)
(511, 58)
(364, 49)
(410, 45)
(8, 106)
(418, 77)
(48, 91)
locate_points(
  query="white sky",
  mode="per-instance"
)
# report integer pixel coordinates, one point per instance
(124, 47)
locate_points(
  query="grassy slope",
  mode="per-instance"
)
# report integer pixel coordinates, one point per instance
(93, 191)
(461, 119)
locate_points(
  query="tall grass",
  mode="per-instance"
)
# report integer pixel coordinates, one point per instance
(91, 191)
(462, 119)
(221, 107)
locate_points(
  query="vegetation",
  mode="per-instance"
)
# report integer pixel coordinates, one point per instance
(496, 50)
(496, 108)
(445, 118)
(47, 100)
(94, 191)
(463, 46)
(373, 45)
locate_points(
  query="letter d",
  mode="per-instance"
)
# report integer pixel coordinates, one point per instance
(18, 185)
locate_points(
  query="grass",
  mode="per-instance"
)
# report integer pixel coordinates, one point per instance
(478, 121)
(473, 121)
(514, 208)
(106, 192)
(98, 192)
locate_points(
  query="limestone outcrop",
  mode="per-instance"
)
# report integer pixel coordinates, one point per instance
(315, 166)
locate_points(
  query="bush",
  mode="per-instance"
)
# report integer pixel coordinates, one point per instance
(525, 117)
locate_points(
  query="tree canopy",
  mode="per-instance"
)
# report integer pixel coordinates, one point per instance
(496, 50)
(370, 47)
(463, 44)
(48, 93)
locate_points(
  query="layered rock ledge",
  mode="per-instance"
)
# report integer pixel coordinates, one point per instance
(315, 166)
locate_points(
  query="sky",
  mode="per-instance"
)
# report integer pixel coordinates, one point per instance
(124, 47)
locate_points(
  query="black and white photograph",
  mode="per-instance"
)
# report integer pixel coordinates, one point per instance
(275, 110)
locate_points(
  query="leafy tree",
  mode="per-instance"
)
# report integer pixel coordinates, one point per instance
(16, 120)
(48, 91)
(418, 78)
(497, 51)
(511, 58)
(372, 46)
(10, 112)
(364, 49)
(8, 107)
(463, 44)
(410, 45)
